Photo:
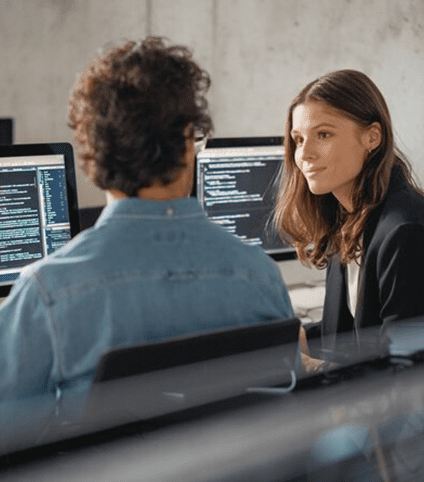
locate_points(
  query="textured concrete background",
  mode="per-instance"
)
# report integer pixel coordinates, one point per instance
(260, 53)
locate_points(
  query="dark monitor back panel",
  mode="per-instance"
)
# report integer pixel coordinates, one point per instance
(236, 184)
(38, 205)
(6, 131)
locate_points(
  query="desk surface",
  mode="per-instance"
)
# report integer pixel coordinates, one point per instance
(295, 274)
(306, 289)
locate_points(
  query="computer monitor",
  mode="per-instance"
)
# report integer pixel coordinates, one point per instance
(38, 205)
(6, 131)
(235, 185)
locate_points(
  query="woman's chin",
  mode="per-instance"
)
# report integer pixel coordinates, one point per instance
(317, 189)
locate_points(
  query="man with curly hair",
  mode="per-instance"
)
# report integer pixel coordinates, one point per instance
(153, 266)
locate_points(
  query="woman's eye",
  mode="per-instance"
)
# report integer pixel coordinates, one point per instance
(323, 135)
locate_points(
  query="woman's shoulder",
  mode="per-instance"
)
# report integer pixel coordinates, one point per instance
(401, 211)
(404, 205)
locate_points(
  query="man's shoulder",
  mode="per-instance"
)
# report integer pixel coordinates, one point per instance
(53, 268)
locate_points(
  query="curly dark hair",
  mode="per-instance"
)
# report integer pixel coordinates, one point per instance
(128, 110)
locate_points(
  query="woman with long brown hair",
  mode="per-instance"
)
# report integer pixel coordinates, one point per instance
(347, 201)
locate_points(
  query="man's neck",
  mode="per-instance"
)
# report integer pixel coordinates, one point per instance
(152, 193)
(179, 187)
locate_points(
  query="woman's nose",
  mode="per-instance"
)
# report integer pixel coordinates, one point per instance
(308, 149)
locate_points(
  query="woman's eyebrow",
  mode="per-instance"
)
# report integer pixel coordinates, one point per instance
(318, 126)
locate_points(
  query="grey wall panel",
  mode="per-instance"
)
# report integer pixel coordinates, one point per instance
(260, 53)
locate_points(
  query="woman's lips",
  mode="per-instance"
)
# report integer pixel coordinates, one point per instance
(314, 171)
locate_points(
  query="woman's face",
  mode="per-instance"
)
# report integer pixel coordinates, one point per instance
(330, 150)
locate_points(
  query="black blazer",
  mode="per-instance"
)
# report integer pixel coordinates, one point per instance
(391, 284)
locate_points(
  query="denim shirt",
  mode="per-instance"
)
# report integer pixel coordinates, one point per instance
(147, 270)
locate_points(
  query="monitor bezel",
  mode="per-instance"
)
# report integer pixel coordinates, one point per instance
(257, 141)
(7, 131)
(42, 149)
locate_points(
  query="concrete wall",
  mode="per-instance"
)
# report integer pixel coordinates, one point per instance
(260, 53)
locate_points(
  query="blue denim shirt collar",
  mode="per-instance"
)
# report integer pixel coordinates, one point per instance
(149, 209)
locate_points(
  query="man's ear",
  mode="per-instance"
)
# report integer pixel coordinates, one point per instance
(374, 136)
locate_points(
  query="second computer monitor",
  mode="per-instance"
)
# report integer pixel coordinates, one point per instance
(38, 205)
(236, 186)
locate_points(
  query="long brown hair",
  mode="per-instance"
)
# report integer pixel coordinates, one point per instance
(317, 225)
